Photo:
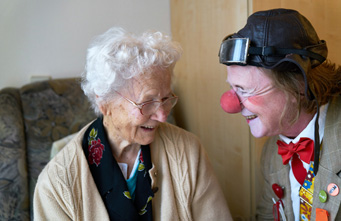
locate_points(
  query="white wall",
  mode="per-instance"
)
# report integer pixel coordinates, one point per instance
(50, 38)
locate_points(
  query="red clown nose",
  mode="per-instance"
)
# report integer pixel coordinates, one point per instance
(230, 102)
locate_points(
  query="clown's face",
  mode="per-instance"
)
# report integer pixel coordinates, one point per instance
(262, 104)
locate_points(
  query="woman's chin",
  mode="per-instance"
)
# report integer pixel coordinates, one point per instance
(146, 140)
(257, 133)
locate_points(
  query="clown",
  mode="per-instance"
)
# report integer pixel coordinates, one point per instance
(285, 88)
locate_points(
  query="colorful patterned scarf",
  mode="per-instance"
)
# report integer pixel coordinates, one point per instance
(110, 181)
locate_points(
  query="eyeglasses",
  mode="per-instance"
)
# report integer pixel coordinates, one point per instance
(150, 107)
(243, 96)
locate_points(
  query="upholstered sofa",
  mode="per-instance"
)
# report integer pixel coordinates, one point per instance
(31, 119)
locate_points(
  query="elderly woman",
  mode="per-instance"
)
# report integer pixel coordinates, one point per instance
(129, 164)
(286, 90)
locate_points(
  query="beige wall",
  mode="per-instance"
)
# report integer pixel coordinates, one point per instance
(50, 38)
(200, 80)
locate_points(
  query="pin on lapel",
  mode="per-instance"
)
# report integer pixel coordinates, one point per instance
(333, 189)
(323, 196)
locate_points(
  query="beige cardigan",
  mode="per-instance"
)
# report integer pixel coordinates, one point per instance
(187, 186)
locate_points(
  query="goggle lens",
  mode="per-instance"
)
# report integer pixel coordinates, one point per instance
(234, 51)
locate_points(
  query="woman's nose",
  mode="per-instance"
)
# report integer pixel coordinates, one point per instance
(230, 102)
(160, 115)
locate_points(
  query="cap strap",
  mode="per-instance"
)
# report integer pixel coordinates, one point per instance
(270, 50)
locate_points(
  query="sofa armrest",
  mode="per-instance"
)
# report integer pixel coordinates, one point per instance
(14, 203)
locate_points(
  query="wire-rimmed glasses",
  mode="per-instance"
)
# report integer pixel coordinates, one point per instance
(150, 107)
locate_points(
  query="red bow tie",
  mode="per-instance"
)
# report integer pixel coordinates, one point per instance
(304, 148)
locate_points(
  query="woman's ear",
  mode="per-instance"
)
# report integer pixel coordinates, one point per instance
(103, 106)
(104, 109)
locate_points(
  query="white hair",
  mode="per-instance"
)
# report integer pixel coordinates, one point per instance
(117, 55)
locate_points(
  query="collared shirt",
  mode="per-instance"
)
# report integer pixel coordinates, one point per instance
(309, 133)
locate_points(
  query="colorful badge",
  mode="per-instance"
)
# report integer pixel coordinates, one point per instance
(323, 196)
(333, 189)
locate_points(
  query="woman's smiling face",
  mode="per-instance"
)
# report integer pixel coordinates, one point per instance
(262, 103)
(124, 122)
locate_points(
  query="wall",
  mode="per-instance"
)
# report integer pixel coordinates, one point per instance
(200, 81)
(49, 38)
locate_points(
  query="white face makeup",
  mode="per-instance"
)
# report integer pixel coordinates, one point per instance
(262, 104)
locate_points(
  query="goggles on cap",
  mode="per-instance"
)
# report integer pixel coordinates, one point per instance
(237, 50)
(234, 51)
